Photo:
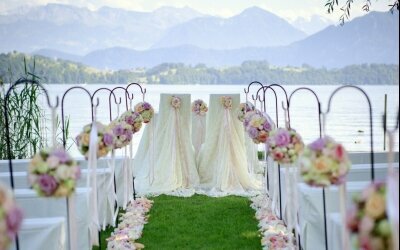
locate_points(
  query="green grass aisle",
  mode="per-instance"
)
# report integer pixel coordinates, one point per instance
(201, 222)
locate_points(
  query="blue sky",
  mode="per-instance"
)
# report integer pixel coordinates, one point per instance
(286, 8)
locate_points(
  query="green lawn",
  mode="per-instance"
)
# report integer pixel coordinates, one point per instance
(198, 222)
(201, 222)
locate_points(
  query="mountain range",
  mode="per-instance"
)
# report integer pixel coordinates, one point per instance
(119, 39)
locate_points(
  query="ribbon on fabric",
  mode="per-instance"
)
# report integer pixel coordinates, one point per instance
(392, 198)
(92, 184)
(151, 172)
(275, 198)
(109, 189)
(342, 203)
(125, 166)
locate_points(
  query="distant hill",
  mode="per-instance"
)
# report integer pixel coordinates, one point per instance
(254, 27)
(373, 38)
(78, 30)
(312, 24)
(61, 71)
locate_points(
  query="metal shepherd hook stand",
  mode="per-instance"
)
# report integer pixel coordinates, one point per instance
(8, 140)
(320, 135)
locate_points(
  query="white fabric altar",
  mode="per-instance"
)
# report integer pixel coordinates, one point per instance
(43, 234)
(198, 131)
(144, 160)
(40, 207)
(222, 161)
(175, 170)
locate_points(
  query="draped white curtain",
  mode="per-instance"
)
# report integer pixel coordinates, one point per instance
(174, 161)
(222, 161)
(198, 131)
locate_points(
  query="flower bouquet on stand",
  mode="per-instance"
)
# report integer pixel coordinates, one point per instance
(145, 110)
(368, 220)
(53, 173)
(105, 140)
(10, 217)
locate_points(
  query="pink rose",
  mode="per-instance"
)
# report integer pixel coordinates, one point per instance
(282, 138)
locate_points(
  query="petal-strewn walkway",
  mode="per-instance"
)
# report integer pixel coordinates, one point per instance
(201, 222)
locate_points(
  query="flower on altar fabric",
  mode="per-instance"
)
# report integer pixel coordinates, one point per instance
(368, 218)
(226, 102)
(105, 140)
(324, 162)
(52, 170)
(10, 217)
(122, 132)
(175, 102)
(199, 107)
(243, 109)
(145, 110)
(132, 118)
(285, 145)
(258, 126)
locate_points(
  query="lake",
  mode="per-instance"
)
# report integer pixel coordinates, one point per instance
(347, 121)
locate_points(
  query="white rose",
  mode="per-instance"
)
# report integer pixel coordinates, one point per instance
(63, 172)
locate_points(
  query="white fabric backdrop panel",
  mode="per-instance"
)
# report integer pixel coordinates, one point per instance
(144, 161)
(175, 166)
(311, 211)
(40, 207)
(198, 131)
(222, 161)
(43, 234)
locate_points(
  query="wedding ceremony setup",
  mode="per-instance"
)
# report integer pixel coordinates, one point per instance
(103, 187)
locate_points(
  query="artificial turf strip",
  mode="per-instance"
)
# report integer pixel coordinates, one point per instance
(201, 222)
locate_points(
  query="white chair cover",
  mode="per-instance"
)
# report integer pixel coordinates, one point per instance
(222, 161)
(175, 169)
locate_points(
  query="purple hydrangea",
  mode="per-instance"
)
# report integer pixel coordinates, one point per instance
(282, 138)
(318, 144)
(253, 132)
(146, 105)
(118, 130)
(267, 126)
(47, 184)
(108, 139)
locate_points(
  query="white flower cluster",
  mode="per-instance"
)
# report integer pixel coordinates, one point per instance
(274, 233)
(131, 226)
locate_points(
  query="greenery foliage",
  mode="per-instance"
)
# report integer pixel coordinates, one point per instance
(25, 120)
(59, 71)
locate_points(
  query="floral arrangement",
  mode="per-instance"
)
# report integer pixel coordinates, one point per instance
(133, 118)
(105, 140)
(175, 102)
(10, 217)
(258, 126)
(53, 172)
(285, 145)
(122, 132)
(131, 226)
(324, 162)
(226, 102)
(368, 219)
(145, 110)
(274, 233)
(199, 107)
(243, 109)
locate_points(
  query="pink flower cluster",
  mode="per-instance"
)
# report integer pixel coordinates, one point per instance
(145, 110)
(53, 172)
(175, 102)
(285, 145)
(226, 102)
(274, 233)
(243, 109)
(131, 226)
(199, 107)
(10, 217)
(324, 162)
(258, 125)
(105, 140)
(122, 132)
(134, 119)
(368, 218)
